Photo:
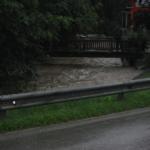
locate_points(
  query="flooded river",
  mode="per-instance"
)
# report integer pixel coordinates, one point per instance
(76, 72)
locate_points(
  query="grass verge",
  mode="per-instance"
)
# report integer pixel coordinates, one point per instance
(145, 75)
(63, 112)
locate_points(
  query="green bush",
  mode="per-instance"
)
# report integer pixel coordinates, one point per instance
(30, 29)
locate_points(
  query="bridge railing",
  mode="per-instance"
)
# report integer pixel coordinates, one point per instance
(109, 45)
(97, 44)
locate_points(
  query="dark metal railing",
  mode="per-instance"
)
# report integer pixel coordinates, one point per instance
(97, 44)
(110, 44)
(49, 97)
(103, 47)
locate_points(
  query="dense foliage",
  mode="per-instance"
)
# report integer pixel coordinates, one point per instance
(29, 29)
(142, 20)
(112, 16)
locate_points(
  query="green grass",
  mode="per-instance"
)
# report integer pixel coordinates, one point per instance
(63, 112)
(145, 74)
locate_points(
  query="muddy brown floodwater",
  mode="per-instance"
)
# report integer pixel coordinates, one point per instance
(76, 72)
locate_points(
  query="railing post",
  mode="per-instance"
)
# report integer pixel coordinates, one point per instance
(2, 113)
(121, 96)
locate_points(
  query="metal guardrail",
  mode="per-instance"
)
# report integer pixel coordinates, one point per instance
(39, 98)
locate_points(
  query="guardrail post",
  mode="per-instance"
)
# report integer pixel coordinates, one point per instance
(121, 96)
(2, 113)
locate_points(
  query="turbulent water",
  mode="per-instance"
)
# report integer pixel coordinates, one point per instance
(76, 72)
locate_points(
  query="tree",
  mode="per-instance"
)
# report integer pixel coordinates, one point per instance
(112, 15)
(30, 29)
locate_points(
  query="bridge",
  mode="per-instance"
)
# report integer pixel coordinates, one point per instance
(104, 47)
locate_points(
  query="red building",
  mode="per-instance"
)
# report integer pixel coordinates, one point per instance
(139, 6)
(135, 7)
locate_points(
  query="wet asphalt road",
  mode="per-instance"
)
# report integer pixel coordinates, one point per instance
(123, 131)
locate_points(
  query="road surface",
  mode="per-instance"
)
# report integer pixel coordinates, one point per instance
(124, 131)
